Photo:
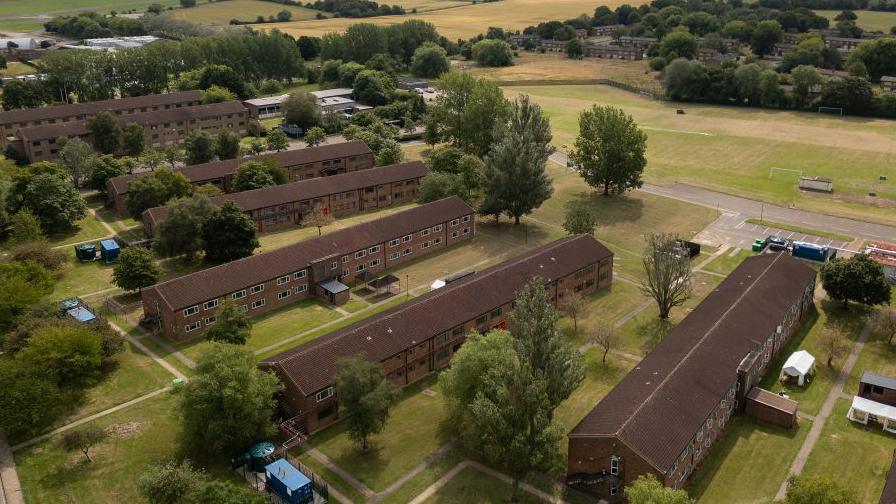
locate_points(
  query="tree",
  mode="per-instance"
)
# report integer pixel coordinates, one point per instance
(223, 492)
(493, 53)
(365, 397)
(103, 168)
(317, 218)
(83, 439)
(133, 139)
(315, 136)
(229, 402)
(572, 306)
(29, 403)
(181, 231)
(24, 94)
(229, 234)
(52, 199)
(580, 218)
(852, 94)
(277, 140)
(255, 147)
(805, 78)
(155, 189)
(232, 325)
(170, 482)
(135, 269)
(309, 47)
(438, 185)
(575, 49)
(859, 279)
(610, 150)
(68, 356)
(766, 34)
(217, 94)
(538, 343)
(605, 338)
(648, 490)
(227, 145)
(252, 175)
(678, 44)
(24, 284)
(818, 489)
(301, 109)
(373, 87)
(225, 77)
(105, 131)
(200, 147)
(466, 112)
(667, 269)
(833, 343)
(429, 60)
(883, 322)
(24, 227)
(878, 56)
(514, 174)
(75, 157)
(389, 153)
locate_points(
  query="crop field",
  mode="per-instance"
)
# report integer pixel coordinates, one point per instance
(462, 21)
(10, 8)
(734, 149)
(867, 20)
(243, 10)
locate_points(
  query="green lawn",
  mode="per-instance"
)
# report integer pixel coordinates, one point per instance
(877, 356)
(747, 464)
(243, 10)
(867, 20)
(800, 229)
(17, 68)
(725, 263)
(24, 7)
(603, 307)
(828, 317)
(855, 454)
(471, 486)
(78, 279)
(86, 229)
(354, 305)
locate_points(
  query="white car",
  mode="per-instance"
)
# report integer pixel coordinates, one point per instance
(430, 90)
(418, 90)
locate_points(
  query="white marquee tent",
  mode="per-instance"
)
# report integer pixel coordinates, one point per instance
(863, 410)
(798, 365)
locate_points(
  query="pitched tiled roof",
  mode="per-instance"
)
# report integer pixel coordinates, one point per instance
(220, 280)
(78, 128)
(311, 188)
(89, 108)
(660, 405)
(219, 169)
(312, 366)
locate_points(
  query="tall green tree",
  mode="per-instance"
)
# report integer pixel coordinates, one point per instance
(301, 109)
(50, 196)
(818, 489)
(229, 234)
(859, 279)
(466, 112)
(580, 218)
(69, 356)
(667, 272)
(493, 53)
(365, 397)
(181, 231)
(461, 383)
(678, 44)
(648, 490)
(232, 325)
(229, 402)
(74, 157)
(135, 269)
(133, 139)
(105, 131)
(30, 401)
(227, 145)
(610, 149)
(102, 168)
(575, 49)
(315, 136)
(155, 189)
(24, 227)
(766, 34)
(169, 482)
(429, 60)
(252, 175)
(373, 87)
(217, 94)
(277, 140)
(200, 147)
(83, 439)
(514, 175)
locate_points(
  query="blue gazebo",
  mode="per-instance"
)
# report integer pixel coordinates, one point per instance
(288, 483)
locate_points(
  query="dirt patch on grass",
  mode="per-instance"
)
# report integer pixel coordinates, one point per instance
(124, 430)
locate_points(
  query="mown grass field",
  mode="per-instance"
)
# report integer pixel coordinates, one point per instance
(221, 13)
(733, 149)
(11, 8)
(867, 20)
(460, 21)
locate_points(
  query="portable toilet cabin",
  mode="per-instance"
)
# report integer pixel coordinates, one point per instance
(85, 252)
(288, 483)
(109, 250)
(810, 251)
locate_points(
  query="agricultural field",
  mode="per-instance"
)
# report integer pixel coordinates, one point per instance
(27, 15)
(460, 21)
(220, 13)
(867, 20)
(734, 149)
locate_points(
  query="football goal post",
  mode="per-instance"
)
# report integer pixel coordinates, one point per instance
(831, 110)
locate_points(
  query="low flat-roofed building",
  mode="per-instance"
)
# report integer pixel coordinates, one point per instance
(609, 51)
(878, 388)
(885, 255)
(339, 195)
(554, 45)
(666, 414)
(642, 43)
(888, 83)
(421, 335)
(184, 307)
(606, 30)
(329, 100)
(300, 164)
(843, 43)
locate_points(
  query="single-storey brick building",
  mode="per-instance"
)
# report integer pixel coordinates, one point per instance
(300, 164)
(421, 336)
(184, 307)
(878, 388)
(666, 414)
(339, 195)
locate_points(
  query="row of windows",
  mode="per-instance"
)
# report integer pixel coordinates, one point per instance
(240, 294)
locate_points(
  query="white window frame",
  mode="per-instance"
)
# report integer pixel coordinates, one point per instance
(208, 305)
(425, 232)
(301, 288)
(407, 238)
(240, 294)
(614, 464)
(408, 251)
(437, 240)
(394, 255)
(374, 263)
(255, 289)
(425, 245)
(455, 234)
(210, 320)
(283, 295)
(394, 242)
(345, 259)
(258, 303)
(374, 249)
(192, 310)
(361, 253)
(192, 326)
(454, 222)
(298, 275)
(282, 280)
(466, 231)
(324, 394)
(334, 265)
(466, 218)
(436, 228)
(360, 267)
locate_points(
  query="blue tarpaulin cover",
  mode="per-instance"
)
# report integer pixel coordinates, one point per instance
(81, 314)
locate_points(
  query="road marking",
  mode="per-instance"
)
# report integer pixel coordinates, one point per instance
(740, 225)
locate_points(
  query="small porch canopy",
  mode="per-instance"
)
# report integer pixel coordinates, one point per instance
(798, 366)
(863, 410)
(389, 284)
(333, 286)
(438, 284)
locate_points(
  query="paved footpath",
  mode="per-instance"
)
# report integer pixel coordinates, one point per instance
(10, 489)
(818, 422)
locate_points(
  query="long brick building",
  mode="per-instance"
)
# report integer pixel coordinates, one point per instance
(161, 128)
(11, 121)
(340, 195)
(666, 414)
(300, 164)
(184, 307)
(421, 336)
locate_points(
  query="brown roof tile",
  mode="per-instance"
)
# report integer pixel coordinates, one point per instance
(888, 496)
(312, 366)
(310, 188)
(214, 282)
(660, 405)
(773, 400)
(89, 108)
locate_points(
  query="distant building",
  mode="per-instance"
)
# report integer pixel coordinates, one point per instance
(842, 43)
(608, 51)
(410, 83)
(885, 255)
(712, 57)
(642, 43)
(520, 39)
(606, 31)
(666, 414)
(329, 100)
(554, 45)
(117, 43)
(878, 388)
(888, 83)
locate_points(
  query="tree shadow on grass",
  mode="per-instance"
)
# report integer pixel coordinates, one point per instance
(613, 209)
(651, 333)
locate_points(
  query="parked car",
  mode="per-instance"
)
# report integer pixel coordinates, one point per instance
(777, 243)
(430, 90)
(418, 90)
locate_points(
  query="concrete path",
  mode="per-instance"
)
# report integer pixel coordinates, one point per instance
(818, 423)
(10, 488)
(432, 489)
(342, 473)
(143, 348)
(419, 468)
